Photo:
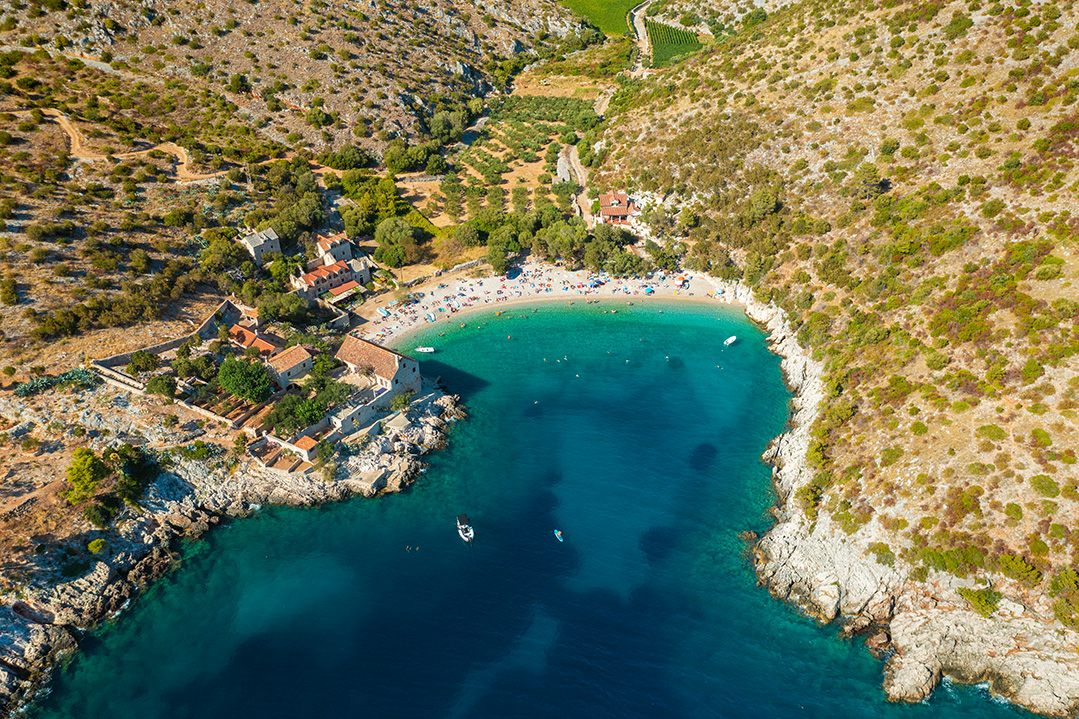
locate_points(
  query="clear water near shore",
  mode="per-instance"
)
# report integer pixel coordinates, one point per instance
(638, 435)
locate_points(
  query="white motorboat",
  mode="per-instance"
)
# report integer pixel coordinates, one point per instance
(465, 529)
(729, 341)
(425, 350)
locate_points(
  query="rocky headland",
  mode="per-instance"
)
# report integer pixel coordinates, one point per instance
(43, 619)
(925, 630)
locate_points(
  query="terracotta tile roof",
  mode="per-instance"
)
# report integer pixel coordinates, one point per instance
(289, 358)
(306, 443)
(325, 244)
(246, 338)
(264, 346)
(325, 271)
(616, 204)
(345, 287)
(242, 336)
(355, 351)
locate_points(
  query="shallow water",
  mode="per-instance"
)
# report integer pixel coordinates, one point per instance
(638, 435)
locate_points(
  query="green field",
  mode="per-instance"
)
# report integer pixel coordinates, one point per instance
(608, 15)
(668, 42)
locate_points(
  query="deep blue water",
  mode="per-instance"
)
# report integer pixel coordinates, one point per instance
(638, 435)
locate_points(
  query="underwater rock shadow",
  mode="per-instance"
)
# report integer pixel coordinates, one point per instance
(459, 382)
(702, 456)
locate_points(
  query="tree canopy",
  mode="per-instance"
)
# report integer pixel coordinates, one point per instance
(246, 380)
(84, 473)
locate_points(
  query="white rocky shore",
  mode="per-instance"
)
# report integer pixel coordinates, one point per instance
(42, 621)
(925, 630)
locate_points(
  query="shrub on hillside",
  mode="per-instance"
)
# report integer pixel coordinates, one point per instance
(983, 601)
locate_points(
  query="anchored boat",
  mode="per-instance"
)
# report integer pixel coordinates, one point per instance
(729, 341)
(465, 529)
(425, 350)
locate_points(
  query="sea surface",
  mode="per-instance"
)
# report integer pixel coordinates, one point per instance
(638, 435)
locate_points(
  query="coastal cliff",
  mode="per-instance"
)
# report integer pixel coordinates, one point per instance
(44, 619)
(924, 629)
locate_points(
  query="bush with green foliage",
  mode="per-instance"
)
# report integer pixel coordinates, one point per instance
(983, 601)
(84, 473)
(246, 380)
(1019, 569)
(162, 384)
(992, 432)
(1044, 485)
(401, 401)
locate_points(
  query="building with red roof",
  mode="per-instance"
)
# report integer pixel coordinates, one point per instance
(617, 208)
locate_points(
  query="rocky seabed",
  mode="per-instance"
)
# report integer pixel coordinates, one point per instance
(43, 623)
(924, 630)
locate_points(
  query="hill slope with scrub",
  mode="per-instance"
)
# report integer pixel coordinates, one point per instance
(319, 74)
(900, 179)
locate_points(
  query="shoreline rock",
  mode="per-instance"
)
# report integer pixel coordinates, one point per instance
(924, 630)
(44, 624)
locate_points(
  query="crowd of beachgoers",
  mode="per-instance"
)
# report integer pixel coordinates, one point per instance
(442, 301)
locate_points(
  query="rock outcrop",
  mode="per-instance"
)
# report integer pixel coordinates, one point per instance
(925, 629)
(45, 621)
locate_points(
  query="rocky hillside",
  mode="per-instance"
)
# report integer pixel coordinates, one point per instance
(324, 73)
(900, 180)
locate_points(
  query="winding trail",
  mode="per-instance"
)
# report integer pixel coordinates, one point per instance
(80, 152)
(640, 30)
(576, 169)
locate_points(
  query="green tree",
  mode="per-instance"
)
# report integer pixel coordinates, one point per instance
(140, 261)
(397, 242)
(467, 235)
(247, 380)
(162, 384)
(867, 181)
(401, 401)
(142, 361)
(84, 473)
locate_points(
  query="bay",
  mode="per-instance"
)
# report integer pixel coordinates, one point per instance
(638, 435)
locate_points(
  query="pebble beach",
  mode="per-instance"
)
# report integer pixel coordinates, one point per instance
(447, 299)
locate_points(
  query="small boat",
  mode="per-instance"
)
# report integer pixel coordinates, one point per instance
(558, 534)
(729, 341)
(465, 529)
(425, 350)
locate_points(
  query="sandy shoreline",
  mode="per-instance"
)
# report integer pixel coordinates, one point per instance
(450, 300)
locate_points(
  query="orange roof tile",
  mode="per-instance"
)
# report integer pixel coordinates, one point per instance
(359, 352)
(289, 358)
(345, 287)
(306, 443)
(319, 273)
(328, 243)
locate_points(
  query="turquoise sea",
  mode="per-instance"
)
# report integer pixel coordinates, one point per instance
(638, 435)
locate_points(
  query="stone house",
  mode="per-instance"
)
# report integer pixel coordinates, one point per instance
(391, 370)
(245, 335)
(617, 208)
(259, 244)
(291, 364)
(334, 249)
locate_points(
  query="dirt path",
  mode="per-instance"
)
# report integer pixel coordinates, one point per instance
(184, 173)
(80, 152)
(641, 31)
(576, 171)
